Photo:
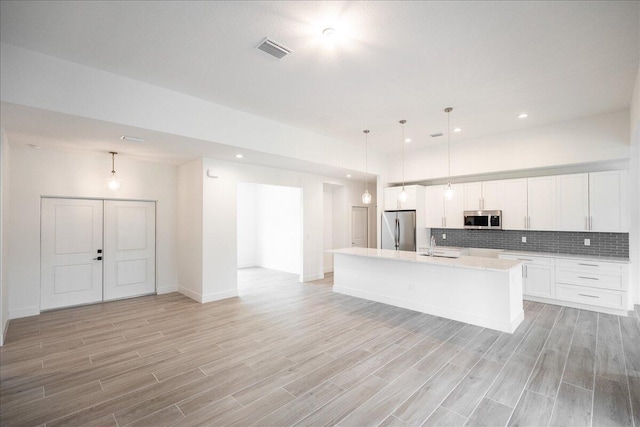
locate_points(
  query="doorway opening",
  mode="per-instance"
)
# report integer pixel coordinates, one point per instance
(360, 226)
(269, 221)
(334, 228)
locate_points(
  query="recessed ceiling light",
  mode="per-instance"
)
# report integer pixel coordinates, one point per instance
(348, 175)
(239, 156)
(131, 138)
(408, 140)
(523, 115)
(34, 146)
(328, 32)
(457, 130)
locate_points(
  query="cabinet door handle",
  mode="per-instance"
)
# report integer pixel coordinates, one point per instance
(524, 259)
(586, 222)
(590, 223)
(590, 296)
(525, 222)
(590, 278)
(589, 265)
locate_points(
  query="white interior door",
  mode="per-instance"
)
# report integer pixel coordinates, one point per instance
(71, 235)
(129, 249)
(359, 227)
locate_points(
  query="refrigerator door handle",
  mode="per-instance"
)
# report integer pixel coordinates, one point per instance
(397, 234)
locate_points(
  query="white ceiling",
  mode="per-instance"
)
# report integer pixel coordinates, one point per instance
(391, 60)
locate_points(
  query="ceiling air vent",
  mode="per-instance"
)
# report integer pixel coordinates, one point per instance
(273, 48)
(435, 135)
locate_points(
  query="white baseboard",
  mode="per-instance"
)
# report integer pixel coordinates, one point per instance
(435, 310)
(217, 296)
(189, 293)
(24, 312)
(166, 289)
(203, 299)
(312, 277)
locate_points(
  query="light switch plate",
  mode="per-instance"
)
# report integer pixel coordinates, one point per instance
(524, 239)
(587, 242)
(444, 236)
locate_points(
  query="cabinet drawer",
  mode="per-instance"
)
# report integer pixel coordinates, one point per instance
(591, 266)
(591, 296)
(528, 259)
(590, 279)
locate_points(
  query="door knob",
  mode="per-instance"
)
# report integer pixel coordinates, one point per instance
(98, 258)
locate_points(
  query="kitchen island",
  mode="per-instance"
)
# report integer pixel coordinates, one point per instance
(482, 291)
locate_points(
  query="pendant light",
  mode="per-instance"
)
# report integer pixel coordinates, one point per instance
(113, 182)
(448, 191)
(402, 197)
(366, 196)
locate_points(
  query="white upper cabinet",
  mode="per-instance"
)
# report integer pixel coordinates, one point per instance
(493, 195)
(434, 206)
(542, 203)
(483, 195)
(572, 201)
(472, 194)
(608, 201)
(391, 202)
(441, 212)
(454, 208)
(594, 201)
(514, 208)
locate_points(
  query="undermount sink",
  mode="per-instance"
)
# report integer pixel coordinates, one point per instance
(481, 252)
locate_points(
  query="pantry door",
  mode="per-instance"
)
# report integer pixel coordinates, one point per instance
(71, 242)
(129, 249)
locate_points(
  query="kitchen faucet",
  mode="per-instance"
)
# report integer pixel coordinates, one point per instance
(433, 245)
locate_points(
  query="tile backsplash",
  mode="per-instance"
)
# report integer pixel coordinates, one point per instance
(561, 242)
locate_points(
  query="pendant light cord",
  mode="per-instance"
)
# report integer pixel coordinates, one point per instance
(449, 144)
(402, 122)
(366, 159)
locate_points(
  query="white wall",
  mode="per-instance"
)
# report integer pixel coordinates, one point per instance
(219, 219)
(634, 189)
(327, 227)
(270, 227)
(190, 244)
(590, 139)
(36, 173)
(248, 237)
(4, 225)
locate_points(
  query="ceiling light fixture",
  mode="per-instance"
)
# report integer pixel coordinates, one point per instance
(523, 115)
(328, 32)
(457, 130)
(348, 175)
(113, 182)
(366, 196)
(239, 156)
(407, 140)
(131, 138)
(448, 191)
(402, 197)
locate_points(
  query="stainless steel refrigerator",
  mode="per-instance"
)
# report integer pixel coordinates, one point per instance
(399, 230)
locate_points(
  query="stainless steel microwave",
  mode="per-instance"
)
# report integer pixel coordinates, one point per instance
(478, 220)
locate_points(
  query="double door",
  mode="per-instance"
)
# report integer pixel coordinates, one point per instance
(95, 250)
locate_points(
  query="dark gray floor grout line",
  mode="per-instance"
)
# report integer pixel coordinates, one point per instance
(537, 360)
(626, 372)
(566, 360)
(595, 367)
(505, 364)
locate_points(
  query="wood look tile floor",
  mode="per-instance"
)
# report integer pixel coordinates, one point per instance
(285, 353)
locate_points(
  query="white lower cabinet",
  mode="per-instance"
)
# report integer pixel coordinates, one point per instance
(580, 283)
(537, 275)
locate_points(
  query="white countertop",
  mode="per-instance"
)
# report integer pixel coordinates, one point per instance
(478, 263)
(566, 256)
